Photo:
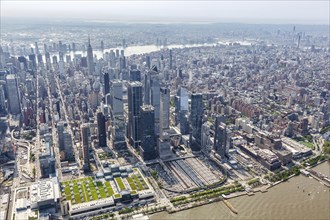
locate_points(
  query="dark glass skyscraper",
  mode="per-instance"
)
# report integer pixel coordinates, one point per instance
(101, 129)
(47, 162)
(147, 128)
(220, 138)
(13, 95)
(196, 120)
(85, 138)
(134, 91)
(60, 131)
(135, 75)
(152, 93)
(32, 58)
(106, 83)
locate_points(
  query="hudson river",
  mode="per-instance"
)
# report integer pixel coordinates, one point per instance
(288, 200)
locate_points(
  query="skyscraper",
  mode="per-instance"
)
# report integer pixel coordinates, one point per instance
(90, 59)
(171, 59)
(60, 135)
(147, 128)
(47, 162)
(134, 90)
(117, 98)
(36, 48)
(164, 121)
(102, 46)
(220, 138)
(85, 138)
(184, 122)
(135, 75)
(152, 93)
(13, 95)
(148, 61)
(163, 144)
(196, 120)
(106, 83)
(101, 129)
(68, 150)
(118, 132)
(3, 109)
(33, 61)
(183, 99)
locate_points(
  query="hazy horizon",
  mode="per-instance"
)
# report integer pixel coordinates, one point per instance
(248, 12)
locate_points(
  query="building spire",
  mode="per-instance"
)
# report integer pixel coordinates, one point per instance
(89, 40)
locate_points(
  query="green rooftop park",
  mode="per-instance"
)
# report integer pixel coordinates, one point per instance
(88, 189)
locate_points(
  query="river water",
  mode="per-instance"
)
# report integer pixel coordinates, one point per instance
(288, 200)
(141, 49)
(131, 50)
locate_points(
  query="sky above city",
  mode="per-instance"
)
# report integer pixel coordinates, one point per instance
(266, 11)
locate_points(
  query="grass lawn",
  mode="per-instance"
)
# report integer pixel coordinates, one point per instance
(77, 198)
(307, 144)
(139, 182)
(131, 183)
(85, 184)
(84, 192)
(109, 188)
(117, 196)
(120, 183)
(75, 189)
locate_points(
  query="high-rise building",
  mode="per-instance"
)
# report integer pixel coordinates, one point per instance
(171, 59)
(220, 138)
(36, 48)
(147, 128)
(54, 60)
(184, 122)
(13, 95)
(60, 46)
(163, 144)
(164, 121)
(23, 62)
(39, 58)
(135, 75)
(3, 109)
(134, 91)
(101, 129)
(304, 126)
(73, 47)
(148, 61)
(32, 58)
(152, 93)
(60, 135)
(90, 58)
(85, 138)
(207, 134)
(196, 120)
(183, 99)
(47, 162)
(106, 83)
(68, 149)
(102, 46)
(118, 132)
(117, 98)
(122, 63)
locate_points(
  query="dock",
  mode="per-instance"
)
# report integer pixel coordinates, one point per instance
(319, 177)
(230, 206)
